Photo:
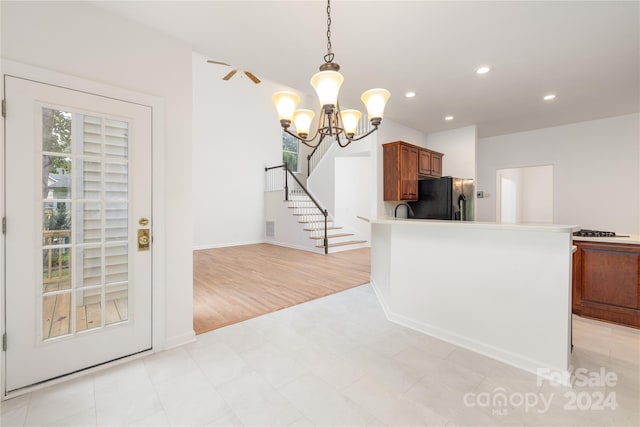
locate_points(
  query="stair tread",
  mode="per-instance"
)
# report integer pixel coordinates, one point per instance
(322, 228)
(309, 214)
(329, 236)
(350, 242)
(313, 222)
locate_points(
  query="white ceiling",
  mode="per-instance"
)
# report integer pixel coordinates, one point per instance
(588, 53)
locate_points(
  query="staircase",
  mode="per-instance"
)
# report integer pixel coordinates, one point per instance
(311, 218)
(296, 219)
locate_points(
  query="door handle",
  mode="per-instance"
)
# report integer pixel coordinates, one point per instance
(143, 239)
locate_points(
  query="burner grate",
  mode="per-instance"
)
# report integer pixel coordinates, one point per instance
(594, 233)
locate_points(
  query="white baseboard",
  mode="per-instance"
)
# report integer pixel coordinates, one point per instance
(178, 340)
(519, 361)
(226, 245)
(299, 247)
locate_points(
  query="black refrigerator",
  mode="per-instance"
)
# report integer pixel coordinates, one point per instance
(445, 198)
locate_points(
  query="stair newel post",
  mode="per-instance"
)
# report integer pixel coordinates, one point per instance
(286, 182)
(308, 165)
(326, 239)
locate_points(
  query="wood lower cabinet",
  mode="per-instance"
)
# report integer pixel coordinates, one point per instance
(606, 282)
(403, 165)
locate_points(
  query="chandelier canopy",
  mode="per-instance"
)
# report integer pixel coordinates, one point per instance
(333, 121)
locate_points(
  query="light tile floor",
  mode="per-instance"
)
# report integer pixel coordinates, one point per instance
(338, 361)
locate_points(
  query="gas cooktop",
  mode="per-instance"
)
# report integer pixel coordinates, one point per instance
(594, 233)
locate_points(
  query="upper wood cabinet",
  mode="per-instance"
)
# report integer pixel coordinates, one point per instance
(408, 173)
(430, 163)
(403, 164)
(424, 165)
(436, 164)
(400, 171)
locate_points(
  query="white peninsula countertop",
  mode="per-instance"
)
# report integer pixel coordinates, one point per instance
(503, 290)
(557, 228)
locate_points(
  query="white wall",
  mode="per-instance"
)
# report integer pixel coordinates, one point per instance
(236, 134)
(596, 170)
(507, 195)
(459, 148)
(537, 189)
(104, 48)
(324, 182)
(391, 131)
(353, 178)
(525, 195)
(287, 231)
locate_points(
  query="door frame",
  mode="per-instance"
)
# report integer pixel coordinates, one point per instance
(158, 282)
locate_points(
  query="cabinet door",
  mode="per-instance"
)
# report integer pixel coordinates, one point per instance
(608, 282)
(436, 164)
(408, 173)
(424, 164)
(610, 278)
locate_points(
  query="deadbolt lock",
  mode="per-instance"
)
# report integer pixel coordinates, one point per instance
(143, 239)
(143, 221)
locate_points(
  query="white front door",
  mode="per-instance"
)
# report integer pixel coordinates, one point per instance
(78, 208)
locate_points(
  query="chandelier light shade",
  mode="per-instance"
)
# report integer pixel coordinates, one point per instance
(327, 85)
(375, 101)
(350, 120)
(332, 122)
(286, 103)
(302, 119)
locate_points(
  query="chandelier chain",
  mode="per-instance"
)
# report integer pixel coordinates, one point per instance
(329, 56)
(333, 122)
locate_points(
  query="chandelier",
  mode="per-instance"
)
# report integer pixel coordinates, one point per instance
(333, 122)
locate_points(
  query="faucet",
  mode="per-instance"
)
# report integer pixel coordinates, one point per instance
(410, 213)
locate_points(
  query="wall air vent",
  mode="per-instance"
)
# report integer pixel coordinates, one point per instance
(271, 229)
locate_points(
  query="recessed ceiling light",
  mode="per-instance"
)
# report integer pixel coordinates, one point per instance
(483, 70)
(549, 97)
(410, 94)
(448, 118)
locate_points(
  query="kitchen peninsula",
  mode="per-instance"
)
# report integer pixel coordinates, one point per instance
(502, 290)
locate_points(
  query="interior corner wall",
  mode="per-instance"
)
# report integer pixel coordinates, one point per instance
(536, 187)
(596, 170)
(353, 179)
(236, 135)
(391, 131)
(83, 40)
(459, 148)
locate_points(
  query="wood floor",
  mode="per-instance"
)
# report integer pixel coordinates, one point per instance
(238, 283)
